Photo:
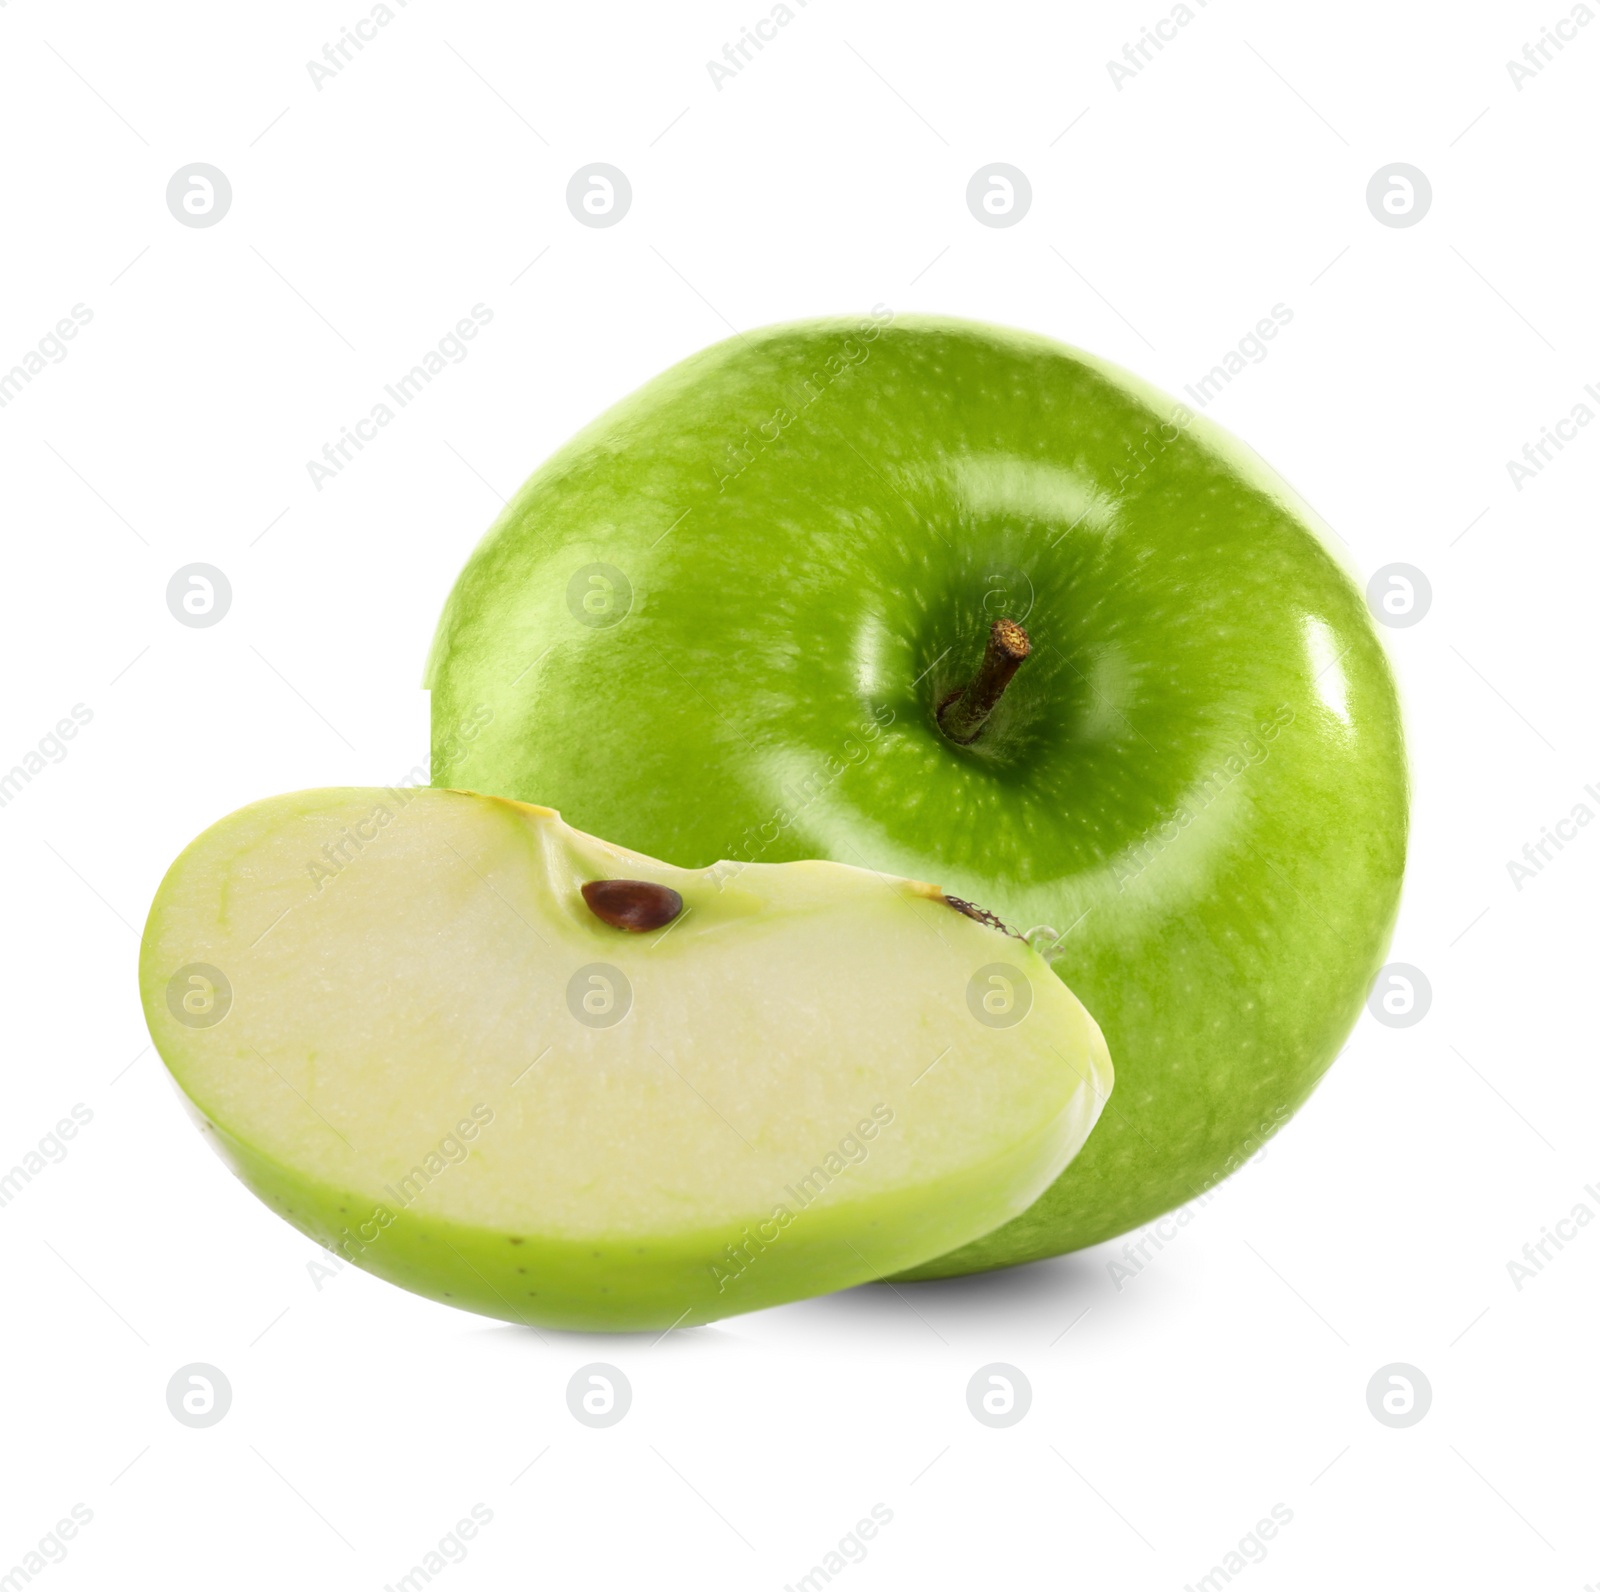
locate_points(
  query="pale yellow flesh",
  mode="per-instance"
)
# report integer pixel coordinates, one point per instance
(404, 1035)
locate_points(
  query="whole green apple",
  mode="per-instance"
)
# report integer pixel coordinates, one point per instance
(743, 614)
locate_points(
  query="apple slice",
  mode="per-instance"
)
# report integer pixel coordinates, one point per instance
(502, 1063)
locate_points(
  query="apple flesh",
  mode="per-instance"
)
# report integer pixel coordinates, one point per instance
(504, 1064)
(722, 621)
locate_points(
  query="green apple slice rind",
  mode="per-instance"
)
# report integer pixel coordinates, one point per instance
(408, 1034)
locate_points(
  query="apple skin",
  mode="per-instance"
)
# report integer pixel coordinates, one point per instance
(1195, 788)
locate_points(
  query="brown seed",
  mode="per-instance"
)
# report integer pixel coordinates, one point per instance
(632, 904)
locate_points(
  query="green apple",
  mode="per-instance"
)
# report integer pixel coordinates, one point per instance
(725, 618)
(502, 1063)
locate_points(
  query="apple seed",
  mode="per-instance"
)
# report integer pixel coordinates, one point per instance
(632, 904)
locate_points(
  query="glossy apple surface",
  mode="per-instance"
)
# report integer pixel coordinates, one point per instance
(719, 622)
(507, 1065)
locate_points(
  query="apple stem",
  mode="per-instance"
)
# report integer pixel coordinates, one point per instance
(962, 714)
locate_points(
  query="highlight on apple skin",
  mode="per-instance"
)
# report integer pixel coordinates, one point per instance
(512, 1067)
(748, 613)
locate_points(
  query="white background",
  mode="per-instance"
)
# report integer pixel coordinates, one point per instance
(1168, 216)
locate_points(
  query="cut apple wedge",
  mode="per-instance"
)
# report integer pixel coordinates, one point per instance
(506, 1065)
